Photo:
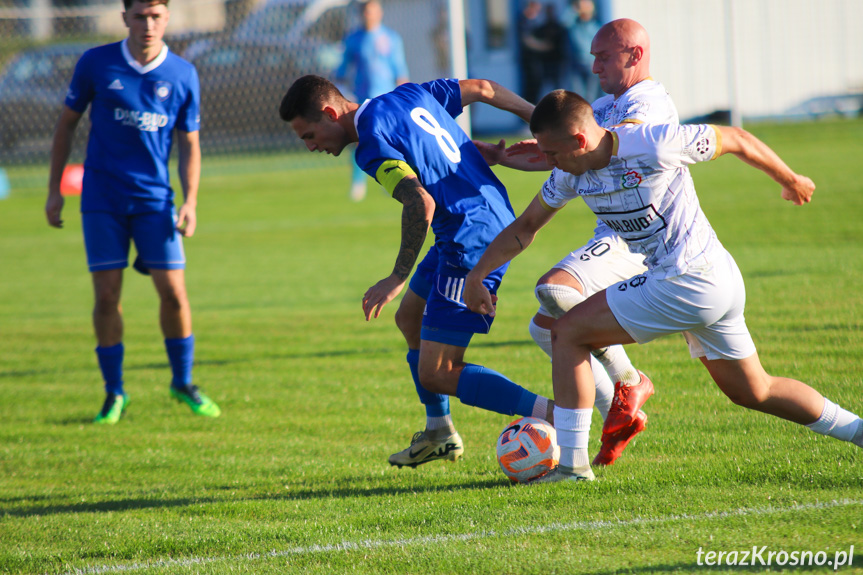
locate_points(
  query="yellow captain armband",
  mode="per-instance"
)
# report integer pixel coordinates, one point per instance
(544, 205)
(391, 172)
(718, 151)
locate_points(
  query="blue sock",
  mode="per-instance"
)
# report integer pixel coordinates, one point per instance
(437, 405)
(487, 389)
(181, 354)
(111, 364)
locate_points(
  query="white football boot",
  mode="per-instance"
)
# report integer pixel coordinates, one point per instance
(430, 445)
(561, 473)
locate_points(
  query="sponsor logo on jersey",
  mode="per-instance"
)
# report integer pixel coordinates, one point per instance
(636, 224)
(143, 121)
(548, 192)
(162, 90)
(592, 190)
(702, 146)
(115, 85)
(630, 180)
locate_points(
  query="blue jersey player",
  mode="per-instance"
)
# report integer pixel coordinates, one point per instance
(409, 141)
(138, 92)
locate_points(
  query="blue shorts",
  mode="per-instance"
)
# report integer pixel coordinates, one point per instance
(421, 281)
(446, 318)
(107, 237)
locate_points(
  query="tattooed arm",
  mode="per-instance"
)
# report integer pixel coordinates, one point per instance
(417, 211)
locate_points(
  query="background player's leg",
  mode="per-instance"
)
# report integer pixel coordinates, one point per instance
(175, 319)
(359, 180)
(747, 384)
(108, 325)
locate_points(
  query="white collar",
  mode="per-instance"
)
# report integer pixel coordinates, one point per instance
(360, 111)
(152, 65)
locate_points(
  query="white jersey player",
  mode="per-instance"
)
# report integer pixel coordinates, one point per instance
(621, 50)
(636, 179)
(606, 259)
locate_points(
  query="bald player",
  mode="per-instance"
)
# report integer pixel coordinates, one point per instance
(621, 51)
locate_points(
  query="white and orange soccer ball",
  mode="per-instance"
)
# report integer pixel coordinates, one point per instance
(527, 449)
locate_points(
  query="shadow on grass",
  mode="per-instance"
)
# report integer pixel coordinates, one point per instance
(103, 506)
(324, 354)
(299, 495)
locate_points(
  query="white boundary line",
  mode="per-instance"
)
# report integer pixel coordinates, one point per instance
(535, 530)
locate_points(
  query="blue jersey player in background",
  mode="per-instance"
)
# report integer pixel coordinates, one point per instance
(409, 141)
(138, 92)
(375, 56)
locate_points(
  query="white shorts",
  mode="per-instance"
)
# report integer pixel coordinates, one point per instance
(707, 307)
(603, 262)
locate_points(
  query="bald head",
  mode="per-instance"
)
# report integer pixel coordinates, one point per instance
(621, 51)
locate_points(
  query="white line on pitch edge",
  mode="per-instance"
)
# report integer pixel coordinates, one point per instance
(539, 529)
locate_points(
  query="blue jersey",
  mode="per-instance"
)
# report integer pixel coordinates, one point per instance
(133, 112)
(415, 124)
(378, 61)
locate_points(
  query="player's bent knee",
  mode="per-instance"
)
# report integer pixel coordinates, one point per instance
(555, 300)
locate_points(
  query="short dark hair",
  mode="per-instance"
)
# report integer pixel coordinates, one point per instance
(557, 109)
(306, 98)
(128, 3)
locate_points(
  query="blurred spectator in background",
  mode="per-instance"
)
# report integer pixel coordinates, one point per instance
(531, 50)
(581, 22)
(375, 62)
(553, 34)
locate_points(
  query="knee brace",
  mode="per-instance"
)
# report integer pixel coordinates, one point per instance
(555, 300)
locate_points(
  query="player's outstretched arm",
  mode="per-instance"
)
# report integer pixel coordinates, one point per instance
(417, 212)
(527, 159)
(61, 147)
(189, 146)
(795, 188)
(510, 242)
(492, 93)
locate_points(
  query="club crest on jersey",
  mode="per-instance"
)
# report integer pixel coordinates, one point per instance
(630, 180)
(162, 90)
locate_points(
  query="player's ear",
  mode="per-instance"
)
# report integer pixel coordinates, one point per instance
(331, 113)
(636, 55)
(581, 140)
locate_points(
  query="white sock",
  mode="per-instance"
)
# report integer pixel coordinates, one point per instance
(615, 361)
(540, 408)
(838, 423)
(442, 422)
(573, 434)
(604, 388)
(542, 337)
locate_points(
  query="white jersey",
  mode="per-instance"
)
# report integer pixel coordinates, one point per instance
(647, 196)
(647, 102)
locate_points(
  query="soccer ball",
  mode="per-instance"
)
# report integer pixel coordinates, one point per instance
(527, 449)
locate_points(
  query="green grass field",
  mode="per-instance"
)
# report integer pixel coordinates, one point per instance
(293, 477)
